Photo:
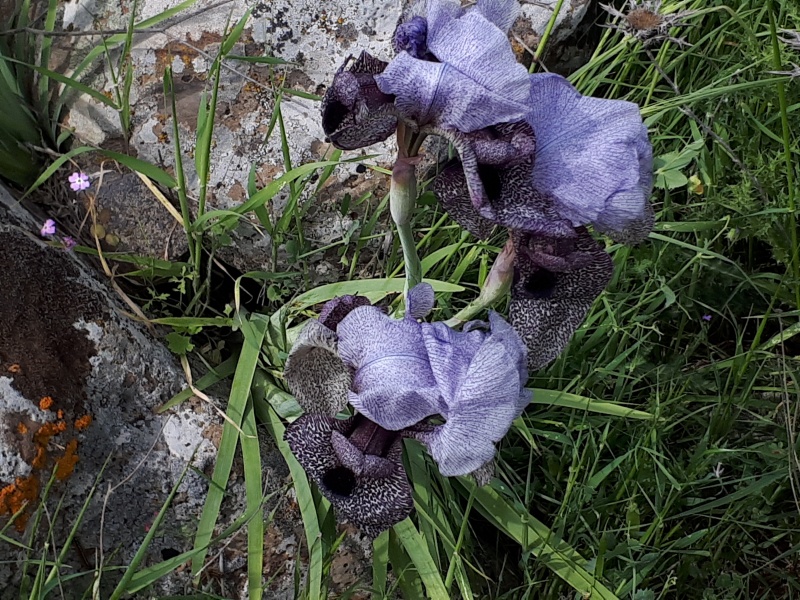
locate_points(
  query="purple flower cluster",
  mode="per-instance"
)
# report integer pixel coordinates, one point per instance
(48, 230)
(401, 376)
(534, 155)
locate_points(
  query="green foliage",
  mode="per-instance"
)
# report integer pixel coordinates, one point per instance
(26, 122)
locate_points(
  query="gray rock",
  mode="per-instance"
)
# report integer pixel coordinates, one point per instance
(79, 385)
(539, 12)
(134, 221)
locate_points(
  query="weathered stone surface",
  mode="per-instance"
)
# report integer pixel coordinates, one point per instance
(79, 385)
(134, 221)
(535, 16)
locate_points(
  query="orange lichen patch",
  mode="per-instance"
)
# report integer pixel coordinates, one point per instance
(15, 368)
(42, 438)
(22, 429)
(60, 414)
(14, 497)
(46, 403)
(83, 422)
(66, 464)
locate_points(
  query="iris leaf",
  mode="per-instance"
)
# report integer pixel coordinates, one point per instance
(556, 398)
(417, 550)
(254, 331)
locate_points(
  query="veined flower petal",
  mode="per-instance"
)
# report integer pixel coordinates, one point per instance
(490, 395)
(502, 13)
(393, 384)
(593, 157)
(459, 92)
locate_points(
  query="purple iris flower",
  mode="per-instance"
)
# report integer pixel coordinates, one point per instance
(456, 392)
(534, 155)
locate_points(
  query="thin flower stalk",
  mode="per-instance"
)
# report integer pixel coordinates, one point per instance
(498, 283)
(402, 200)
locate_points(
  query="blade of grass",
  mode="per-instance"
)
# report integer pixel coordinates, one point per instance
(418, 552)
(556, 398)
(251, 457)
(254, 330)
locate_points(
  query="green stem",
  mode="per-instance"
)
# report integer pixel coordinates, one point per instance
(410, 256)
(787, 148)
(496, 286)
(546, 36)
(402, 199)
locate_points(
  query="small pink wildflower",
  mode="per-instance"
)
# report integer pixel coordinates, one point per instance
(706, 317)
(79, 181)
(48, 229)
(69, 242)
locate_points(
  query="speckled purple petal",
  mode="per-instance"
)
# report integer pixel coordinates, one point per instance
(420, 301)
(555, 283)
(393, 384)
(450, 188)
(355, 113)
(317, 377)
(494, 185)
(459, 92)
(337, 309)
(593, 156)
(490, 396)
(373, 499)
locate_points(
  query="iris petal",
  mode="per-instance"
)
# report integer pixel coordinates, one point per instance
(502, 13)
(337, 309)
(317, 377)
(490, 395)
(553, 292)
(420, 301)
(509, 197)
(459, 92)
(593, 157)
(393, 385)
(373, 502)
(355, 113)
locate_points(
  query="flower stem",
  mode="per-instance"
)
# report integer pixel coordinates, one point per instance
(496, 286)
(402, 198)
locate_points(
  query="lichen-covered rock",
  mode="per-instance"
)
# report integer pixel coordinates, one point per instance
(534, 18)
(79, 385)
(134, 221)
